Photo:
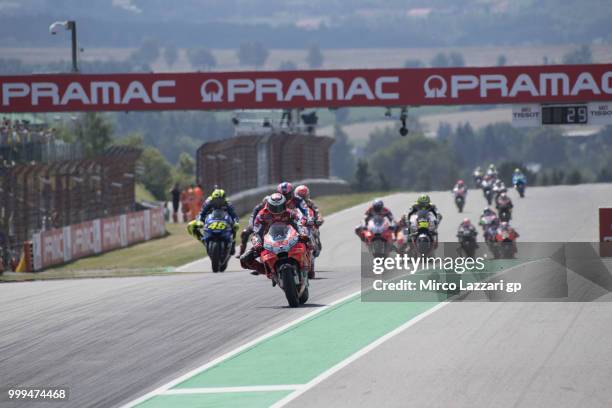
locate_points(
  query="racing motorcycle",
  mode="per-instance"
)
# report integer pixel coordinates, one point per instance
(315, 243)
(520, 186)
(378, 236)
(505, 213)
(505, 244)
(287, 260)
(460, 198)
(424, 227)
(467, 242)
(487, 190)
(218, 237)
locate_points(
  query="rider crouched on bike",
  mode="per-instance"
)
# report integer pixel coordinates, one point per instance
(246, 233)
(460, 188)
(504, 202)
(275, 210)
(423, 203)
(303, 193)
(518, 177)
(293, 201)
(466, 228)
(377, 208)
(216, 201)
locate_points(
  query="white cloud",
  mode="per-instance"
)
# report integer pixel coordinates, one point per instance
(127, 5)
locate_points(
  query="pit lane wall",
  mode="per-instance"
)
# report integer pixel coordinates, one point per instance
(61, 245)
(245, 200)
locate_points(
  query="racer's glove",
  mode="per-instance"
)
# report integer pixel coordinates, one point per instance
(193, 226)
(257, 247)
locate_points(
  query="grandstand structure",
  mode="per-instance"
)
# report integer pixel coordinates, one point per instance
(261, 153)
(45, 184)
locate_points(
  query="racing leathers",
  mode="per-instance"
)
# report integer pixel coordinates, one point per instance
(371, 213)
(220, 203)
(246, 233)
(261, 224)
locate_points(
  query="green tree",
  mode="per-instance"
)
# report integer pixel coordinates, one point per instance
(413, 63)
(186, 164)
(574, 177)
(94, 132)
(201, 58)
(580, 55)
(342, 158)
(287, 66)
(253, 53)
(157, 172)
(147, 53)
(455, 59)
(363, 178)
(440, 60)
(170, 54)
(314, 57)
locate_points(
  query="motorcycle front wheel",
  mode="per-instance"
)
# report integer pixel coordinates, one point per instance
(287, 272)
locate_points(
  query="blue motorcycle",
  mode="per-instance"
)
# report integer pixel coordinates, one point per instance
(217, 235)
(520, 183)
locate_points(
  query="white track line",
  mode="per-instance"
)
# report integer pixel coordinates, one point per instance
(234, 352)
(326, 374)
(162, 389)
(219, 390)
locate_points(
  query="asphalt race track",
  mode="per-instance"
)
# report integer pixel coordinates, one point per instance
(113, 340)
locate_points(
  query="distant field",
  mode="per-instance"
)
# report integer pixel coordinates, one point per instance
(333, 58)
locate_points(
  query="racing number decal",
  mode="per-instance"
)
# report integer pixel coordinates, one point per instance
(217, 225)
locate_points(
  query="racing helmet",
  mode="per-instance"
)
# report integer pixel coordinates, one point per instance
(286, 189)
(303, 192)
(517, 170)
(487, 211)
(423, 200)
(504, 225)
(276, 203)
(466, 222)
(460, 183)
(378, 205)
(217, 193)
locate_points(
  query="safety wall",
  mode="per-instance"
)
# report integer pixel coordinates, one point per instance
(60, 245)
(252, 161)
(47, 195)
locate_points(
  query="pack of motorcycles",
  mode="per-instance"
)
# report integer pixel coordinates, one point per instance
(291, 261)
(419, 236)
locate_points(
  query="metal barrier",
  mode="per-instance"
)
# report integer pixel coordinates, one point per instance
(35, 197)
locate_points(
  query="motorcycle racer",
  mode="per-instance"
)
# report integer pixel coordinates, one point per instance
(275, 210)
(286, 189)
(303, 192)
(466, 226)
(376, 208)
(216, 201)
(518, 177)
(460, 188)
(246, 233)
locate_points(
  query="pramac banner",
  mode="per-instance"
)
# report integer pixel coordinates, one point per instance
(306, 89)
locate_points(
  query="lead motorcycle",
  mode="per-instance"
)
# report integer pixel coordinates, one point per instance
(287, 260)
(378, 236)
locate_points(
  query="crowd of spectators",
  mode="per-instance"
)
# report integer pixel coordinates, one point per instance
(21, 141)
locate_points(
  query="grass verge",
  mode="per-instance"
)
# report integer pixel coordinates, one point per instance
(160, 256)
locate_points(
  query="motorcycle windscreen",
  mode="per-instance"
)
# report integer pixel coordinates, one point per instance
(280, 238)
